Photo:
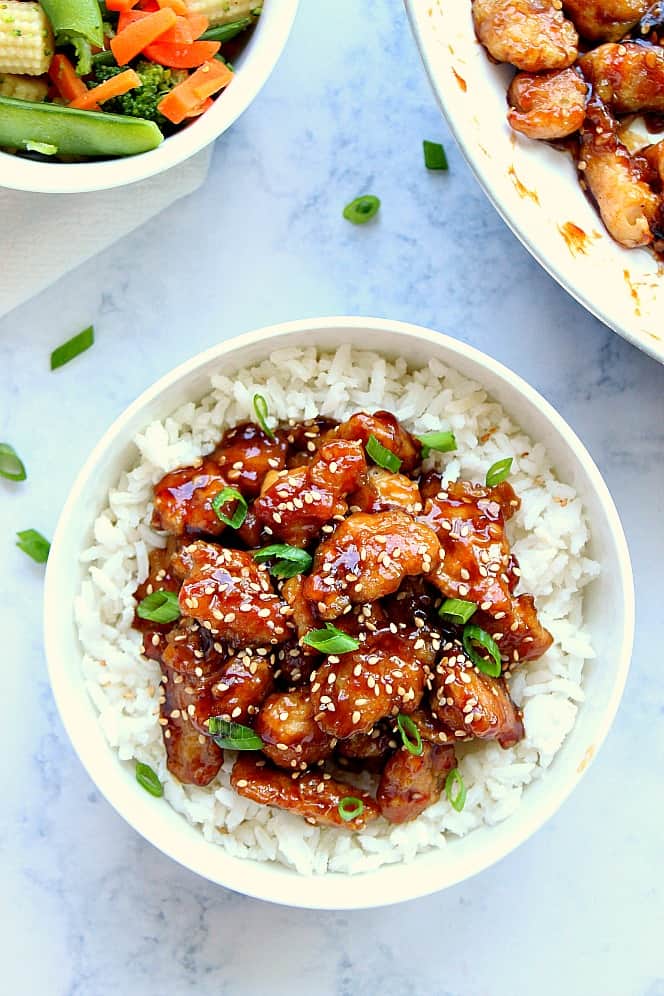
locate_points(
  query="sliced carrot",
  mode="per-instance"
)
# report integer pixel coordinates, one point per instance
(121, 5)
(190, 94)
(202, 107)
(139, 34)
(179, 6)
(113, 87)
(198, 24)
(180, 34)
(182, 56)
(70, 86)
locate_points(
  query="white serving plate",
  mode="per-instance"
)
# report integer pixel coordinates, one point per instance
(252, 70)
(609, 612)
(533, 186)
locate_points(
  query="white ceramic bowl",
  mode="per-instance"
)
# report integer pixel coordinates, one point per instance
(253, 68)
(533, 186)
(609, 610)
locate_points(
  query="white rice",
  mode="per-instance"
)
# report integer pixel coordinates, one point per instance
(548, 535)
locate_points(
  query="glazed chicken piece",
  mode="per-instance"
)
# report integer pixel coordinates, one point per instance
(246, 454)
(244, 682)
(305, 438)
(654, 156)
(160, 578)
(531, 34)
(216, 681)
(192, 757)
(291, 737)
(388, 431)
(627, 78)
(183, 500)
(294, 664)
(367, 557)
(477, 565)
(313, 795)
(231, 595)
(472, 704)
(626, 203)
(352, 692)
(299, 503)
(412, 610)
(430, 728)
(383, 490)
(605, 20)
(409, 784)
(191, 651)
(548, 105)
(304, 613)
(366, 751)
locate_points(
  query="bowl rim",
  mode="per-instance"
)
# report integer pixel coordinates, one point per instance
(473, 157)
(265, 49)
(295, 893)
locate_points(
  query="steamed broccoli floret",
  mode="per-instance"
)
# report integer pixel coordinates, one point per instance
(142, 102)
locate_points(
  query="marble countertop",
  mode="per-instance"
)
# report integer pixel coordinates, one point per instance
(88, 908)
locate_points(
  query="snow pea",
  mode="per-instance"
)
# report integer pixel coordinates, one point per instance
(73, 132)
(75, 18)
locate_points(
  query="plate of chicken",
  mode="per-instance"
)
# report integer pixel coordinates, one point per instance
(557, 106)
(328, 612)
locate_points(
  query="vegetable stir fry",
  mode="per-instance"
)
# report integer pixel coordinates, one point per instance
(336, 614)
(82, 79)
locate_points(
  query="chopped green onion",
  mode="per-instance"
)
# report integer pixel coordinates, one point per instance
(362, 209)
(11, 465)
(330, 640)
(34, 544)
(350, 807)
(233, 736)
(72, 348)
(457, 611)
(260, 407)
(44, 148)
(443, 442)
(434, 155)
(410, 735)
(289, 560)
(159, 606)
(240, 513)
(455, 790)
(498, 472)
(382, 456)
(147, 779)
(488, 665)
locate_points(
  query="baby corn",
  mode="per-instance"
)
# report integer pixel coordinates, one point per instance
(26, 39)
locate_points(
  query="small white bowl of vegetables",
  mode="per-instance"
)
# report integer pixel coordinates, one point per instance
(96, 95)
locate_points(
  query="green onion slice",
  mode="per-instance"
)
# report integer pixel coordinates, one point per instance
(160, 606)
(434, 155)
(34, 544)
(410, 735)
(330, 640)
(455, 790)
(382, 456)
(147, 779)
(72, 348)
(233, 736)
(498, 472)
(289, 560)
(11, 465)
(456, 610)
(240, 513)
(260, 407)
(491, 665)
(443, 442)
(362, 209)
(350, 807)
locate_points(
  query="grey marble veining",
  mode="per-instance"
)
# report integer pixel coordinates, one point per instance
(88, 908)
